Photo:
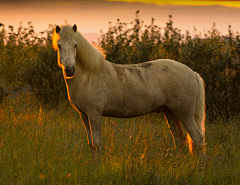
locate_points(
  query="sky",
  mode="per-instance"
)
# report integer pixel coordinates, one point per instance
(91, 16)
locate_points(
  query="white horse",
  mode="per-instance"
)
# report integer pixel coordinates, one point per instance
(97, 87)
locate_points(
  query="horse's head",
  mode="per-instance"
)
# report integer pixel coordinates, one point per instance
(67, 50)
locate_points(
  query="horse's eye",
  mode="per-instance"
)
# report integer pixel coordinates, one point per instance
(75, 46)
(59, 46)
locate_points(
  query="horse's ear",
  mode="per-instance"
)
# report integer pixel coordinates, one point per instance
(57, 29)
(74, 28)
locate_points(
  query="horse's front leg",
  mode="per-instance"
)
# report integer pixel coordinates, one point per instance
(93, 127)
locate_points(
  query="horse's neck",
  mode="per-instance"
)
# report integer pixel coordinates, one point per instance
(86, 50)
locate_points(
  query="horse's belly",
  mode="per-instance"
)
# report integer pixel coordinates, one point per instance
(132, 108)
(125, 113)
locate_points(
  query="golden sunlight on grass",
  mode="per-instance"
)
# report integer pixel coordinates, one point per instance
(190, 144)
(42, 146)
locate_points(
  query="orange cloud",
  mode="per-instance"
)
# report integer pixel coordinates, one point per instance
(231, 3)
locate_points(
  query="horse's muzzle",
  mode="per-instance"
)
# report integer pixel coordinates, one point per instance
(70, 71)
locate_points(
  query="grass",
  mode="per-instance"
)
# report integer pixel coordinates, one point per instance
(41, 146)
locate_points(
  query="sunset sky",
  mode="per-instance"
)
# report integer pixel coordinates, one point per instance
(91, 16)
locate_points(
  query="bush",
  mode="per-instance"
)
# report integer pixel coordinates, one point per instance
(45, 76)
(28, 58)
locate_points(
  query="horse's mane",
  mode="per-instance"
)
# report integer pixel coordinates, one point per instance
(90, 56)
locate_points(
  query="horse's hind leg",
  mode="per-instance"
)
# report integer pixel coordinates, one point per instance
(176, 128)
(196, 135)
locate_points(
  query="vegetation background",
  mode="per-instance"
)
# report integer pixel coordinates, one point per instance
(43, 142)
(27, 57)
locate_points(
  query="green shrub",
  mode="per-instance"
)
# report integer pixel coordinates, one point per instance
(28, 58)
(45, 76)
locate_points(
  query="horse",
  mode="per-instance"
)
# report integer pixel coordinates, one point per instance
(97, 87)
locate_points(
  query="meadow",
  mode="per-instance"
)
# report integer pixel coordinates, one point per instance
(42, 139)
(49, 146)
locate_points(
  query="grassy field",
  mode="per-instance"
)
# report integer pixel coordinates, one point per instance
(40, 146)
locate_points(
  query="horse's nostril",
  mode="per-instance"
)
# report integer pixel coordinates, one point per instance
(73, 70)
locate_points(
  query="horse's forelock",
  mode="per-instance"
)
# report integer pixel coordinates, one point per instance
(67, 33)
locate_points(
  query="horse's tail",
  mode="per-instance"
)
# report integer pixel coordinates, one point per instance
(199, 114)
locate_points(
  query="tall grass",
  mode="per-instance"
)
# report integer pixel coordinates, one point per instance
(41, 146)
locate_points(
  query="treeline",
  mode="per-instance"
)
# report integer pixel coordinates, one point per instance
(27, 58)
